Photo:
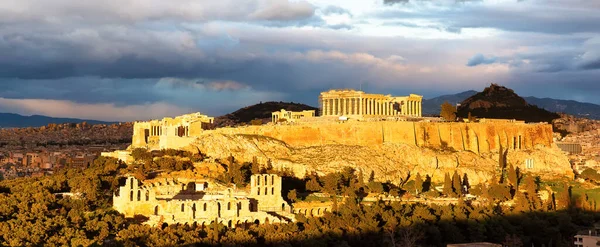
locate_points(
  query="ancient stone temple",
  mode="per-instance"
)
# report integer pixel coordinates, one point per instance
(184, 201)
(291, 116)
(170, 132)
(358, 103)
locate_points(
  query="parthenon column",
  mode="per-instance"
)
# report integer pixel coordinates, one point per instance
(385, 108)
(360, 106)
(372, 107)
(349, 108)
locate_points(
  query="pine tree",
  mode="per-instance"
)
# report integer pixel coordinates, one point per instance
(372, 176)
(530, 185)
(313, 184)
(255, 166)
(361, 178)
(418, 184)
(447, 185)
(465, 184)
(456, 184)
(512, 176)
(501, 157)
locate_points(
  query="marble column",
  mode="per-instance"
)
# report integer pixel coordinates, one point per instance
(386, 108)
(360, 106)
(414, 113)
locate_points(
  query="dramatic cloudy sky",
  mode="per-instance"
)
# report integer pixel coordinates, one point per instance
(138, 59)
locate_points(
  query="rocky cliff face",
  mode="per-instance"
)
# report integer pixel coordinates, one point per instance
(390, 160)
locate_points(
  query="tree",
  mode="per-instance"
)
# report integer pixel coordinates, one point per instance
(465, 184)
(313, 184)
(448, 112)
(372, 176)
(418, 184)
(512, 176)
(255, 166)
(471, 118)
(256, 122)
(448, 185)
(590, 174)
(292, 195)
(456, 184)
(501, 161)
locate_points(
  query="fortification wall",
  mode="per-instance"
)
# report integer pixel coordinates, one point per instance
(475, 137)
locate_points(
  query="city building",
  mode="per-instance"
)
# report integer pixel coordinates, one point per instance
(588, 238)
(350, 102)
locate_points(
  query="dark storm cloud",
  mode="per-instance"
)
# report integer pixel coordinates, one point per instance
(217, 58)
(544, 17)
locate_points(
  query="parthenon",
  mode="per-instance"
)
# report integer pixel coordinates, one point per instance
(358, 103)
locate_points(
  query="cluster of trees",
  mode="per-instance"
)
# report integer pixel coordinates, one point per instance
(146, 162)
(34, 212)
(591, 175)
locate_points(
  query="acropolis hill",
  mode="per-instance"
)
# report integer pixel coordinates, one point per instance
(382, 135)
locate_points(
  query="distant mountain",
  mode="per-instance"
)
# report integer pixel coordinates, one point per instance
(500, 102)
(260, 111)
(431, 107)
(11, 120)
(571, 107)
